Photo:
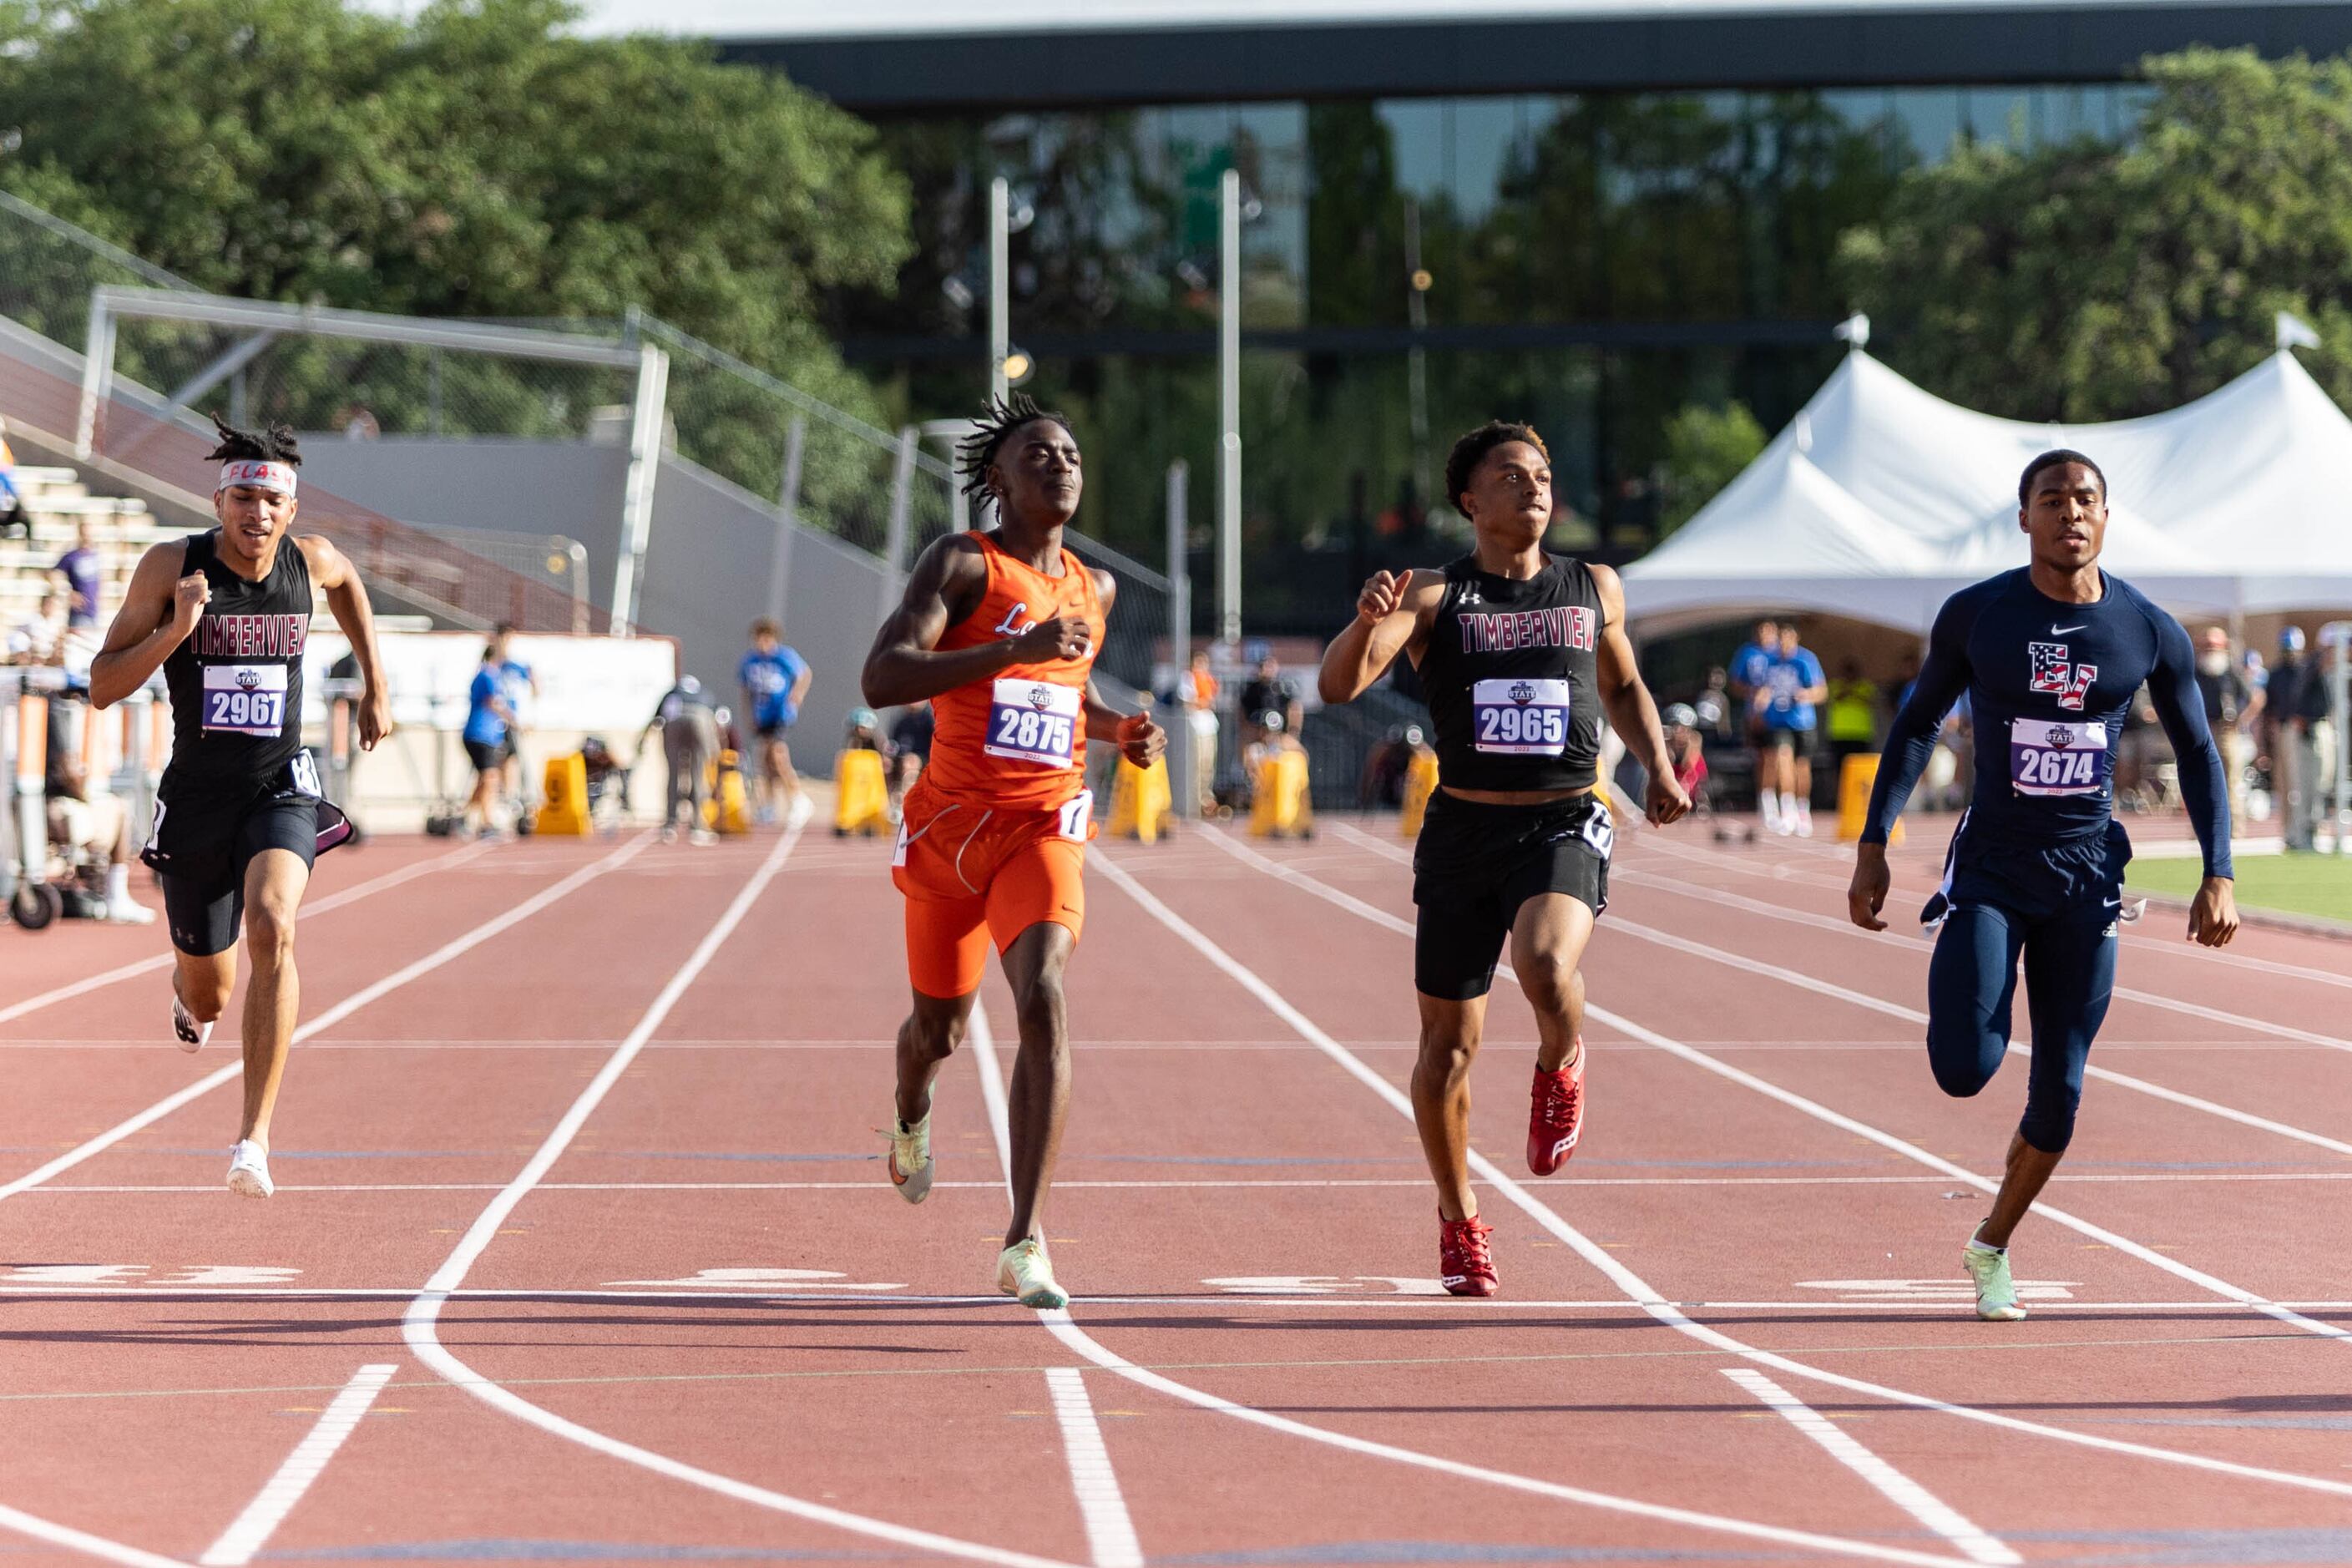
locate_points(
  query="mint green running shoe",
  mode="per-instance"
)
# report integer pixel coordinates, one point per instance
(1022, 1271)
(1996, 1292)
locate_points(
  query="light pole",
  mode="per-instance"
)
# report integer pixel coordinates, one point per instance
(1006, 367)
(1229, 407)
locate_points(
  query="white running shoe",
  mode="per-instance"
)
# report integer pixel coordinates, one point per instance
(1026, 1273)
(797, 813)
(248, 1171)
(125, 912)
(910, 1158)
(1804, 821)
(702, 839)
(191, 1035)
(1996, 1292)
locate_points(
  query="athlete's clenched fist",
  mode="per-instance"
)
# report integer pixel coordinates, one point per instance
(1060, 637)
(1383, 593)
(190, 594)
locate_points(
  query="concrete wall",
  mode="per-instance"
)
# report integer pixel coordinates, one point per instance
(711, 566)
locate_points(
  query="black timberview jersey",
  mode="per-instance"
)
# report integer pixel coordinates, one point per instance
(236, 681)
(1509, 667)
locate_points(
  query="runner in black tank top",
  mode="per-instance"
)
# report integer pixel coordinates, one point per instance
(1522, 652)
(225, 616)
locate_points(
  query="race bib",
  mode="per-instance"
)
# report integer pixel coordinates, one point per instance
(1520, 718)
(2060, 758)
(1034, 721)
(245, 698)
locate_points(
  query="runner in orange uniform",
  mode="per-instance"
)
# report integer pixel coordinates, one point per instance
(999, 629)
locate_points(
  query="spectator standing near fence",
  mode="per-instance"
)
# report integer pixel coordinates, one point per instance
(1196, 694)
(1788, 705)
(1750, 662)
(2227, 700)
(775, 680)
(1853, 715)
(518, 685)
(689, 725)
(2297, 711)
(489, 736)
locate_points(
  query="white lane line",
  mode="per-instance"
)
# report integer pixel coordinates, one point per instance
(1110, 1533)
(333, 902)
(1639, 1291)
(81, 1541)
(251, 1530)
(2188, 950)
(1788, 975)
(1847, 928)
(327, 1020)
(1828, 1306)
(1101, 1505)
(1892, 1484)
(1065, 1328)
(1822, 1113)
(420, 1322)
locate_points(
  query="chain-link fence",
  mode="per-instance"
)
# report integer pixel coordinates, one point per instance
(794, 453)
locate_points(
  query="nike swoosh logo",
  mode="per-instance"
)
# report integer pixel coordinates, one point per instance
(2115, 903)
(2062, 631)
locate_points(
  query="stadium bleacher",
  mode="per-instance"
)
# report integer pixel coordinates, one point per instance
(57, 501)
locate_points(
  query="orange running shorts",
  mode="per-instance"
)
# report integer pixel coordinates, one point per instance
(970, 874)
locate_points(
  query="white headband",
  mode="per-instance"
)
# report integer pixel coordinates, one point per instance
(279, 477)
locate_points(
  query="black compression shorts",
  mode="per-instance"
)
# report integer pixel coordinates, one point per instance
(486, 755)
(1475, 865)
(203, 841)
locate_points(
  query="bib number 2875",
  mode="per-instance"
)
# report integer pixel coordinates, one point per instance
(1032, 721)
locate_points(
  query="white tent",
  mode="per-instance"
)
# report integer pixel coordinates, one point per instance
(1880, 499)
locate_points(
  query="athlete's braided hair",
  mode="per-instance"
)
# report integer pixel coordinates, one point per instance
(1471, 449)
(276, 444)
(2051, 459)
(976, 453)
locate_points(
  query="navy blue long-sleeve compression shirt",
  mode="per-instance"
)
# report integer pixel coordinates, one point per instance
(2047, 683)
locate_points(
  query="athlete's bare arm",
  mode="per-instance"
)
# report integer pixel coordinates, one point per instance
(1393, 616)
(1629, 704)
(159, 610)
(335, 576)
(905, 665)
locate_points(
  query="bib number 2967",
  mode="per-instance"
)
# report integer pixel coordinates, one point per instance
(245, 698)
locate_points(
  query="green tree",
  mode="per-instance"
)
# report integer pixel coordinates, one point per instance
(478, 161)
(2086, 281)
(1707, 447)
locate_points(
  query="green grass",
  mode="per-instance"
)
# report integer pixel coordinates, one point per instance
(2293, 884)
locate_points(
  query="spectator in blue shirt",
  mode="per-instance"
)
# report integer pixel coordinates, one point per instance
(1750, 664)
(488, 734)
(775, 678)
(1786, 705)
(518, 684)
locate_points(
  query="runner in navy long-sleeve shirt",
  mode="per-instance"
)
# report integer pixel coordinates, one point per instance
(2049, 657)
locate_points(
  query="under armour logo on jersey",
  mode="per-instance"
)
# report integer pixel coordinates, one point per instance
(1015, 621)
(2055, 676)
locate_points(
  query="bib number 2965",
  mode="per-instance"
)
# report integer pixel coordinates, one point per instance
(1520, 718)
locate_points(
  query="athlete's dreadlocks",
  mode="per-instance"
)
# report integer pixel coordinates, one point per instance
(274, 444)
(977, 452)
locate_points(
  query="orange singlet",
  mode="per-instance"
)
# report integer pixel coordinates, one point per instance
(993, 833)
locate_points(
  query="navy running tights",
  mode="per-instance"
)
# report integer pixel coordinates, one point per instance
(2070, 974)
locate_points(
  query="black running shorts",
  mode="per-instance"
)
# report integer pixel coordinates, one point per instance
(1805, 744)
(206, 838)
(1475, 865)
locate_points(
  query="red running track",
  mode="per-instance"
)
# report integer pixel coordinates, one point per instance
(582, 1251)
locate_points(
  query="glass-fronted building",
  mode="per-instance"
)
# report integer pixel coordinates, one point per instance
(1618, 211)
